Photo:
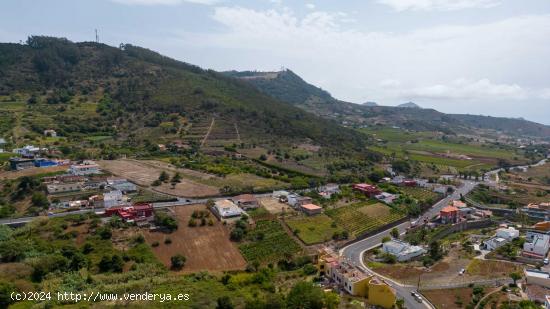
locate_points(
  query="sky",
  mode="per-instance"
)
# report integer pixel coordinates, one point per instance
(489, 57)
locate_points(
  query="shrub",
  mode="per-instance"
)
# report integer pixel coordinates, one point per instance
(178, 261)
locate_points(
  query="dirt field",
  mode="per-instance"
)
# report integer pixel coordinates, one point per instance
(273, 205)
(31, 171)
(144, 173)
(449, 299)
(491, 269)
(206, 247)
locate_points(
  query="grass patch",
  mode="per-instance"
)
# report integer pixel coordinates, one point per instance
(314, 229)
(268, 243)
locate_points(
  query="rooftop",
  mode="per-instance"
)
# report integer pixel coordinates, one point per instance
(449, 209)
(311, 207)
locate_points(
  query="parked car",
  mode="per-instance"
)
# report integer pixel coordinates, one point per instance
(462, 271)
(546, 261)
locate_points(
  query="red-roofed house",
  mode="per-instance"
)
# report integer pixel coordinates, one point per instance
(449, 214)
(368, 190)
(311, 209)
(137, 212)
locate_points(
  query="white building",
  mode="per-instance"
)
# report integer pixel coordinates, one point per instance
(121, 184)
(537, 277)
(50, 132)
(226, 209)
(508, 233)
(494, 242)
(113, 199)
(86, 168)
(386, 197)
(401, 250)
(536, 245)
(279, 194)
(27, 151)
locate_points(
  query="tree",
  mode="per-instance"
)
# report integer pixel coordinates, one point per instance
(163, 177)
(224, 302)
(176, 178)
(305, 295)
(394, 233)
(332, 300)
(104, 232)
(386, 239)
(178, 261)
(400, 303)
(40, 200)
(515, 276)
(237, 234)
(435, 250)
(6, 288)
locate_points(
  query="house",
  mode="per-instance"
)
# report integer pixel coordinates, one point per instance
(449, 214)
(458, 204)
(536, 245)
(386, 197)
(397, 180)
(311, 209)
(28, 151)
(537, 211)
(79, 204)
(137, 212)
(537, 277)
(280, 194)
(86, 168)
(368, 190)
(543, 226)
(296, 200)
(465, 211)
(440, 189)
(328, 190)
(50, 132)
(409, 183)
(401, 250)
(494, 242)
(385, 180)
(353, 280)
(113, 199)
(226, 210)
(509, 233)
(246, 201)
(17, 164)
(63, 187)
(121, 184)
(424, 183)
(63, 178)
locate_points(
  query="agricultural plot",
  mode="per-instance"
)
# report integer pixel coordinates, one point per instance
(314, 229)
(419, 193)
(363, 217)
(223, 133)
(206, 247)
(268, 243)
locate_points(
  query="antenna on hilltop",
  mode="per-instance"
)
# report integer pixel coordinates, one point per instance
(96, 36)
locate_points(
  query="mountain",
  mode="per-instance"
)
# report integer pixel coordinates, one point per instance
(409, 105)
(140, 97)
(289, 87)
(370, 104)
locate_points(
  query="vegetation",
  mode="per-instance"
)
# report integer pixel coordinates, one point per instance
(268, 243)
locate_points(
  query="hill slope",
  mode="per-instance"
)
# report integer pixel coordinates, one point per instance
(289, 87)
(134, 92)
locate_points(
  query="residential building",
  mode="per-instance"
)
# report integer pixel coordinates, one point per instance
(43, 162)
(121, 184)
(246, 201)
(63, 187)
(86, 168)
(449, 214)
(458, 204)
(543, 226)
(537, 211)
(328, 190)
(311, 209)
(79, 204)
(403, 251)
(537, 277)
(63, 178)
(113, 199)
(28, 151)
(353, 280)
(465, 211)
(409, 183)
(397, 180)
(281, 195)
(296, 200)
(18, 164)
(367, 189)
(536, 245)
(493, 243)
(386, 197)
(509, 233)
(137, 212)
(226, 209)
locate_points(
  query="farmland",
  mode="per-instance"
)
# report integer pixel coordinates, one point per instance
(419, 193)
(314, 229)
(268, 242)
(206, 247)
(362, 217)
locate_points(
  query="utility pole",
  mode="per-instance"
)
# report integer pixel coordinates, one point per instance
(96, 36)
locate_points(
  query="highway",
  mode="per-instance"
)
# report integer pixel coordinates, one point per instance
(354, 252)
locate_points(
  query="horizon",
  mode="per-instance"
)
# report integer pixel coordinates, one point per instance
(478, 57)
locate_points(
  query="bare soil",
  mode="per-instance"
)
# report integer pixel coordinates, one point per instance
(31, 172)
(205, 247)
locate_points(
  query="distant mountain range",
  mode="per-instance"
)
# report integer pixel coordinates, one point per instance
(291, 88)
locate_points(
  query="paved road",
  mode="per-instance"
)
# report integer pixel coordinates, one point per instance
(354, 252)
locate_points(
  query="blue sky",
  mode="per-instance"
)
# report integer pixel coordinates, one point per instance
(459, 56)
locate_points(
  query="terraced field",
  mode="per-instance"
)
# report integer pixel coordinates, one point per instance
(420, 193)
(314, 229)
(363, 217)
(268, 243)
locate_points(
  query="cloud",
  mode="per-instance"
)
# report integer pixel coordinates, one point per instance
(390, 83)
(464, 89)
(438, 5)
(164, 2)
(310, 6)
(545, 94)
